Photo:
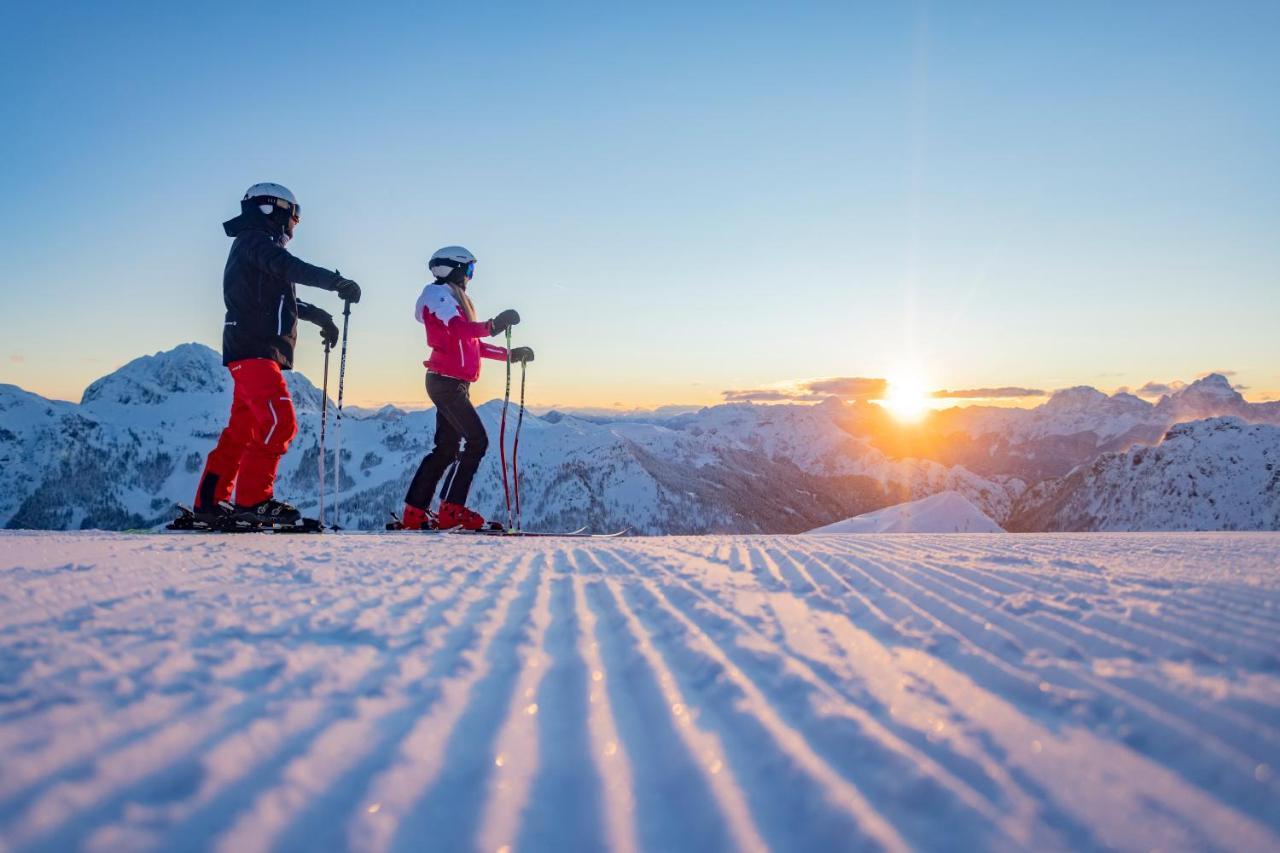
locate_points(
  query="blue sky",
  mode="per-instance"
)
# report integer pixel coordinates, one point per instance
(681, 199)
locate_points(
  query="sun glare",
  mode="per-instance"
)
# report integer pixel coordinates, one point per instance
(907, 398)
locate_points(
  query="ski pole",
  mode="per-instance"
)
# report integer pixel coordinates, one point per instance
(502, 435)
(337, 423)
(515, 449)
(324, 417)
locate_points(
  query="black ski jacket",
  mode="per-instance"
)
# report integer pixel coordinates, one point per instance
(258, 288)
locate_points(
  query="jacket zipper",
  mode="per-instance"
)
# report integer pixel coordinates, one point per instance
(280, 317)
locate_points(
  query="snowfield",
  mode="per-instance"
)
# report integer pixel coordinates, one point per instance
(426, 691)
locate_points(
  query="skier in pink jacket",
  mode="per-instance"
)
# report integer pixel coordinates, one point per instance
(454, 334)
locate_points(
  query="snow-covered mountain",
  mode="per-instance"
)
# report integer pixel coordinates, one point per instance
(945, 512)
(1075, 426)
(1214, 474)
(136, 443)
(1087, 410)
(1068, 411)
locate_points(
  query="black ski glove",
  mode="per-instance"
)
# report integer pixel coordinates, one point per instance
(347, 289)
(504, 321)
(328, 328)
(522, 355)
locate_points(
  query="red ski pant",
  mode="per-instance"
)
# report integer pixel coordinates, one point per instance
(262, 425)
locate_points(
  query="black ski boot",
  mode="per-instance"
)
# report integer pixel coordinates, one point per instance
(215, 518)
(271, 513)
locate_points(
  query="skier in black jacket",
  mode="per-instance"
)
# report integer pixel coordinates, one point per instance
(258, 338)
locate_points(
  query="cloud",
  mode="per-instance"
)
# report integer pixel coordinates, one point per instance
(848, 387)
(757, 395)
(1159, 389)
(771, 395)
(863, 388)
(18, 358)
(1004, 392)
(812, 391)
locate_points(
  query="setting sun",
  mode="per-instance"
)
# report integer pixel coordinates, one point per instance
(907, 398)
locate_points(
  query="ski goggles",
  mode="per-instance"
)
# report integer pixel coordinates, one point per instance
(471, 269)
(295, 209)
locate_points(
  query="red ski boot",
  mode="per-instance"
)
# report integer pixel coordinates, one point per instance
(457, 515)
(415, 519)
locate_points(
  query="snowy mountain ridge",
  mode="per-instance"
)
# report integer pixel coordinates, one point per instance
(1213, 474)
(1084, 409)
(945, 512)
(1073, 428)
(136, 442)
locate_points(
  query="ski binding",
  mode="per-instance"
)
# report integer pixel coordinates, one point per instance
(227, 522)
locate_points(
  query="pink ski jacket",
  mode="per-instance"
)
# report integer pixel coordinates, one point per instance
(456, 348)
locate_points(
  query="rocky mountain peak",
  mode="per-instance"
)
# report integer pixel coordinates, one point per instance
(153, 379)
(1075, 399)
(1209, 396)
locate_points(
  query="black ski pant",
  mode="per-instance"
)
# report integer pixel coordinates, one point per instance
(460, 441)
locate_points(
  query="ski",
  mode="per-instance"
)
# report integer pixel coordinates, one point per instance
(580, 533)
(495, 529)
(501, 531)
(188, 522)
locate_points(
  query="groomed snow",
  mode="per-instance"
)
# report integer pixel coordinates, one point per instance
(410, 691)
(945, 512)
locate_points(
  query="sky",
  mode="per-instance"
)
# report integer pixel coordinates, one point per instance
(682, 200)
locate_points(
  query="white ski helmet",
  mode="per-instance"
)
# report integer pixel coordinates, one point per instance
(447, 262)
(268, 197)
